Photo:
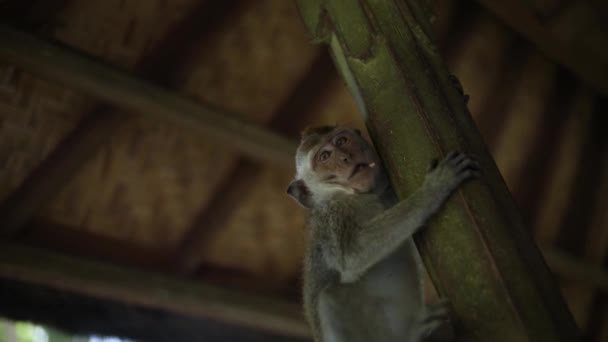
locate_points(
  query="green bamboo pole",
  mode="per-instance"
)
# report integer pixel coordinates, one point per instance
(477, 251)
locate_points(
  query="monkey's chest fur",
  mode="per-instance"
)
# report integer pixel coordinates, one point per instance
(382, 303)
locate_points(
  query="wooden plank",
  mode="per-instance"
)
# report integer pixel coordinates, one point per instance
(477, 251)
(298, 109)
(106, 83)
(591, 69)
(149, 290)
(164, 59)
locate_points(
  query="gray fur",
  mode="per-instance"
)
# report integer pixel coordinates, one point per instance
(362, 279)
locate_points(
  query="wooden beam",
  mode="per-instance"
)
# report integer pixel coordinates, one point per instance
(493, 112)
(165, 58)
(106, 83)
(298, 109)
(586, 65)
(57, 169)
(150, 290)
(591, 274)
(477, 251)
(583, 230)
(531, 174)
(85, 316)
(172, 56)
(80, 243)
(560, 186)
(586, 188)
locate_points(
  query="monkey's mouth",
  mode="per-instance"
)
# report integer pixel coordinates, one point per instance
(359, 167)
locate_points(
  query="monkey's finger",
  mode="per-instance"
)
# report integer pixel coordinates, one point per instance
(468, 175)
(469, 164)
(459, 159)
(467, 157)
(452, 155)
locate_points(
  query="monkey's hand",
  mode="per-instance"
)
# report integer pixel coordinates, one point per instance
(446, 176)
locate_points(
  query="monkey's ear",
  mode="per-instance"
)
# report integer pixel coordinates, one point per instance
(299, 191)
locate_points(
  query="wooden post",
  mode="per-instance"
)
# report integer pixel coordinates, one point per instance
(477, 251)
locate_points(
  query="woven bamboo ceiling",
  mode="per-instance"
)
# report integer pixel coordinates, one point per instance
(157, 135)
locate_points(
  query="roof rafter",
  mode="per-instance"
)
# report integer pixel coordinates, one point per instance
(109, 84)
(150, 290)
(296, 111)
(585, 65)
(164, 60)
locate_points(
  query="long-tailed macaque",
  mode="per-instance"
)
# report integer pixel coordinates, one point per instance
(362, 274)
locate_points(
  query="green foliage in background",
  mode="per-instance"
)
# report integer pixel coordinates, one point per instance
(29, 332)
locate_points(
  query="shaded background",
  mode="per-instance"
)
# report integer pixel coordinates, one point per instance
(145, 194)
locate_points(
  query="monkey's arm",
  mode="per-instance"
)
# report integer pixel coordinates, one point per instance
(376, 239)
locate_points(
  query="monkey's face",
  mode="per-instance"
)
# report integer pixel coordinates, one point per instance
(334, 159)
(343, 158)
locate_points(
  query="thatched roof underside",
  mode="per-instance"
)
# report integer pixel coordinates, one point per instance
(146, 193)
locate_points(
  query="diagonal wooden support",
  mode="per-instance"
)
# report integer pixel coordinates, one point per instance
(166, 58)
(296, 111)
(109, 84)
(57, 169)
(193, 299)
(477, 251)
(586, 65)
(101, 317)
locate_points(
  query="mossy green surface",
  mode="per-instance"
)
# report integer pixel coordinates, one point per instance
(477, 250)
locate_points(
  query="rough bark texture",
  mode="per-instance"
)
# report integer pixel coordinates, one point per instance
(477, 251)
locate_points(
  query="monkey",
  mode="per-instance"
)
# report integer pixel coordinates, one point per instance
(362, 272)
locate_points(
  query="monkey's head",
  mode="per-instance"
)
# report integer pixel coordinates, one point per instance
(334, 159)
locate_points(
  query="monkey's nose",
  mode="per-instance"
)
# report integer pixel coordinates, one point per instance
(345, 157)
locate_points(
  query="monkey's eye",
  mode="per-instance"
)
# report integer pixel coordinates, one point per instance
(324, 155)
(341, 141)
